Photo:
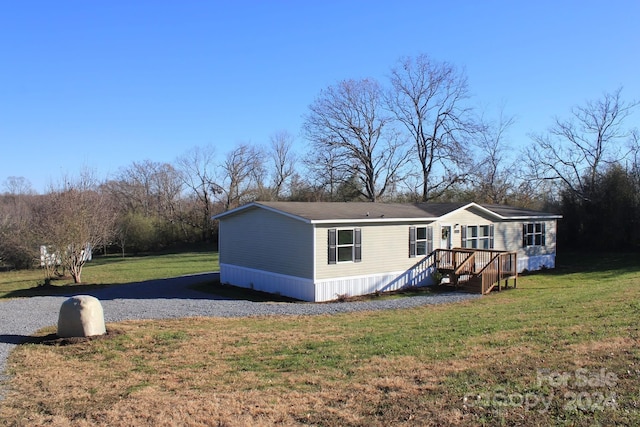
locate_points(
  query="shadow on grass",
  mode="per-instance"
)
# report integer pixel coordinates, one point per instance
(198, 286)
(54, 339)
(118, 258)
(412, 291)
(609, 263)
(195, 286)
(237, 293)
(173, 250)
(52, 290)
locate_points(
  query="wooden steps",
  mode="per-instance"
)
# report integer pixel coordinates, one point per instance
(475, 270)
(473, 285)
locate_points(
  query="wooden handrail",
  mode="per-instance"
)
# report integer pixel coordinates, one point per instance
(495, 271)
(492, 266)
(467, 265)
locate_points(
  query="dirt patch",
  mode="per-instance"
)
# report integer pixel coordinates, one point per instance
(405, 292)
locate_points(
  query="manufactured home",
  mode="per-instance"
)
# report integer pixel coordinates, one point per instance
(322, 251)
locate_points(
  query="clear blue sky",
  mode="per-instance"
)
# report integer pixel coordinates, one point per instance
(101, 84)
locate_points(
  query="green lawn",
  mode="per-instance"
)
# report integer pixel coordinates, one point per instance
(561, 349)
(113, 269)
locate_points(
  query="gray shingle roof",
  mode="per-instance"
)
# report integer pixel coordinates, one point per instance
(362, 210)
(512, 212)
(328, 211)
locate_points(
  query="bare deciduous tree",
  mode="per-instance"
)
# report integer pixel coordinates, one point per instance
(16, 234)
(282, 161)
(348, 121)
(73, 220)
(323, 175)
(493, 175)
(303, 190)
(242, 173)
(428, 98)
(148, 188)
(198, 173)
(576, 151)
(17, 185)
(17, 243)
(634, 149)
(149, 192)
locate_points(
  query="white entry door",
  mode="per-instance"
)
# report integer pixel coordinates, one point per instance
(445, 237)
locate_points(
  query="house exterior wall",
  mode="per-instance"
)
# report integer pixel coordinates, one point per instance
(262, 240)
(508, 236)
(456, 220)
(385, 252)
(273, 252)
(385, 248)
(385, 264)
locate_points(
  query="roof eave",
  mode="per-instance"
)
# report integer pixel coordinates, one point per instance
(232, 211)
(260, 206)
(539, 217)
(370, 220)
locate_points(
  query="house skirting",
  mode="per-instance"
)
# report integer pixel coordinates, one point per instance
(330, 289)
(260, 280)
(537, 262)
(322, 290)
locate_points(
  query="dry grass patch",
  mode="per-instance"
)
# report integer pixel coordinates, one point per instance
(404, 367)
(198, 372)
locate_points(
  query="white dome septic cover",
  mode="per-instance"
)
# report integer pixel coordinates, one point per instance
(81, 316)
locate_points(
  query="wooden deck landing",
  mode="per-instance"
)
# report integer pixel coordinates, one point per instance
(477, 270)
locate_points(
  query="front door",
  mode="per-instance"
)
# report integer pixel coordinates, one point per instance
(445, 237)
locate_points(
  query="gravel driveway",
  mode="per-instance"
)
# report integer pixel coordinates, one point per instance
(172, 298)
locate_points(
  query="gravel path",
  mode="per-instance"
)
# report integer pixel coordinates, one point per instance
(172, 298)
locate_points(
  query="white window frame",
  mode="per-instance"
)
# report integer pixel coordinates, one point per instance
(477, 241)
(334, 245)
(415, 242)
(533, 234)
(424, 242)
(351, 246)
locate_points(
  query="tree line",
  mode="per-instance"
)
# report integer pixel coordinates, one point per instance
(414, 138)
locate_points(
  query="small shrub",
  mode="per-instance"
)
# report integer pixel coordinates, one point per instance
(342, 297)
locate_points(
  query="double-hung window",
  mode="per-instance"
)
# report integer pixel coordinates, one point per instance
(477, 236)
(420, 241)
(533, 234)
(345, 245)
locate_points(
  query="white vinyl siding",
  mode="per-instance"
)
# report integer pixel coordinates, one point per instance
(508, 236)
(266, 281)
(383, 249)
(460, 219)
(420, 241)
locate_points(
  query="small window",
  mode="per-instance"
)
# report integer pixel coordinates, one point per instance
(344, 245)
(420, 241)
(533, 234)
